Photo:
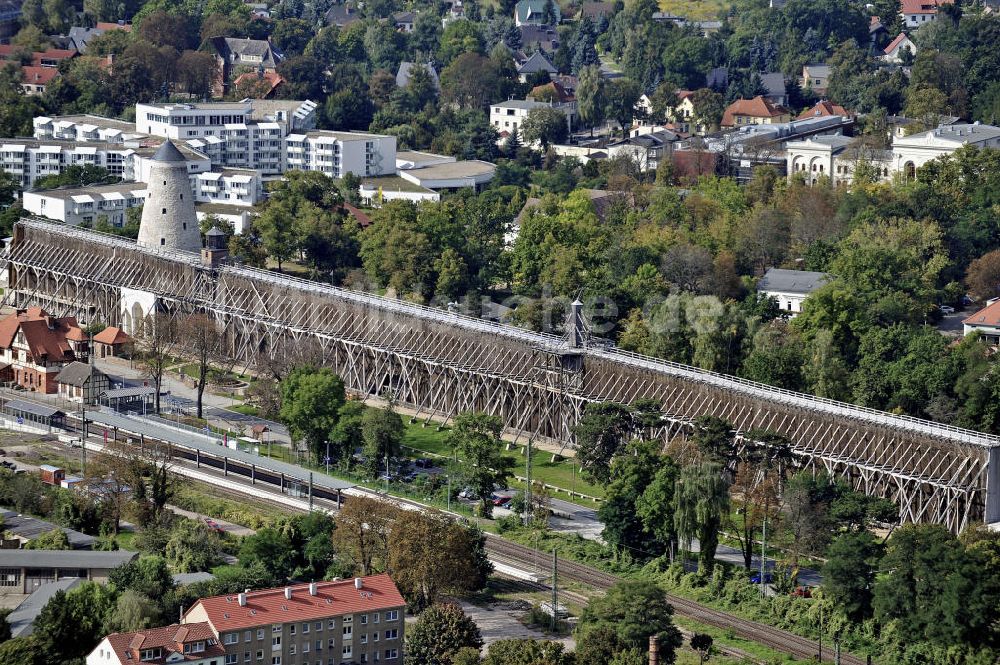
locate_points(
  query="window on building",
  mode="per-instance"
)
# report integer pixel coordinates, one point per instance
(232, 658)
(390, 654)
(392, 615)
(347, 651)
(291, 629)
(247, 635)
(305, 628)
(392, 634)
(364, 619)
(347, 631)
(231, 638)
(260, 633)
(260, 655)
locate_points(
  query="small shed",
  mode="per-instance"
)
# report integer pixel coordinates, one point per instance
(82, 383)
(112, 342)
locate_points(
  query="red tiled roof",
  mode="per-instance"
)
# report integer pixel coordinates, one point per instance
(112, 335)
(987, 316)
(127, 27)
(684, 94)
(45, 335)
(363, 219)
(923, 6)
(758, 107)
(274, 79)
(54, 54)
(37, 75)
(170, 639)
(894, 43)
(270, 606)
(822, 109)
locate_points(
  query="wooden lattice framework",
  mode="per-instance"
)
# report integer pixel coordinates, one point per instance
(441, 364)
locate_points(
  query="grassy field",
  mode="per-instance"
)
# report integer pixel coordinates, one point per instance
(563, 474)
(695, 10)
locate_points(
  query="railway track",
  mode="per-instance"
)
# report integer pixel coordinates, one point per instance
(775, 638)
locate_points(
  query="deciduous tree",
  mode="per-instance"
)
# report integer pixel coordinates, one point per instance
(476, 441)
(439, 633)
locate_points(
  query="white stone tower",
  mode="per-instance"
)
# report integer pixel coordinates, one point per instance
(168, 217)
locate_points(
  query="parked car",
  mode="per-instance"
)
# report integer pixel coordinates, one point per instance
(947, 309)
(802, 592)
(755, 578)
(214, 526)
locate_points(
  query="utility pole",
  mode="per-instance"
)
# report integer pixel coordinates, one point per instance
(821, 633)
(836, 648)
(763, 556)
(449, 492)
(555, 588)
(527, 488)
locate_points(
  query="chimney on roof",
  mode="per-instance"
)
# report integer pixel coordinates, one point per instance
(243, 599)
(312, 588)
(358, 583)
(288, 593)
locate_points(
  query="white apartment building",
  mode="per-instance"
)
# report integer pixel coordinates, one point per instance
(237, 190)
(834, 157)
(508, 116)
(30, 159)
(86, 205)
(247, 134)
(339, 153)
(85, 129)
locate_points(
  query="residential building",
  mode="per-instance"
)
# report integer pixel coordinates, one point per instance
(823, 109)
(35, 79)
(985, 322)
(10, 18)
(86, 205)
(508, 116)
(595, 10)
(534, 65)
(335, 623)
(774, 83)
(259, 84)
(37, 346)
(897, 47)
(82, 383)
(191, 644)
(542, 38)
(247, 134)
(406, 69)
(85, 129)
(79, 36)
(916, 13)
(790, 287)
(235, 56)
(756, 111)
(24, 571)
(815, 78)
(404, 21)
(342, 14)
(535, 12)
(647, 150)
(339, 153)
(376, 191)
(553, 91)
(31, 159)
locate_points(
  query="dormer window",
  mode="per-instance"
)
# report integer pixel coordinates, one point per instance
(150, 654)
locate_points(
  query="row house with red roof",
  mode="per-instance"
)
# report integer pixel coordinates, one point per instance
(35, 346)
(44, 66)
(191, 644)
(343, 622)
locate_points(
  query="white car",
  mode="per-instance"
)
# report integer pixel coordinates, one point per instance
(947, 309)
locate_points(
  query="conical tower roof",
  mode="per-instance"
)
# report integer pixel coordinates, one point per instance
(168, 152)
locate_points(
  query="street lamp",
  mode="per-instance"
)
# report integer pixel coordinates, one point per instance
(327, 458)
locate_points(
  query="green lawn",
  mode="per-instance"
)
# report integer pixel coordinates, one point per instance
(563, 474)
(245, 409)
(695, 10)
